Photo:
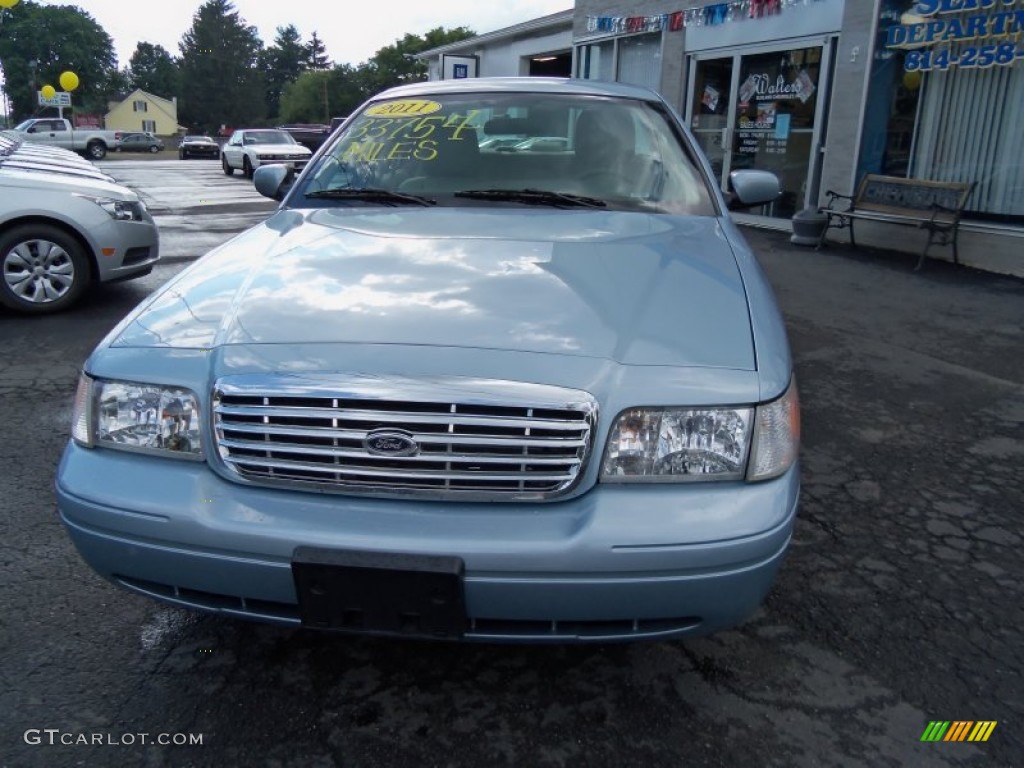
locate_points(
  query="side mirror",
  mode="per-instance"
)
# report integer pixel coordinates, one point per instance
(273, 181)
(750, 188)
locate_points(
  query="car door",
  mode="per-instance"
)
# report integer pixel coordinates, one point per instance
(53, 132)
(233, 149)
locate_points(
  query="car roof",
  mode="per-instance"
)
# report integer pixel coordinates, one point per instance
(524, 84)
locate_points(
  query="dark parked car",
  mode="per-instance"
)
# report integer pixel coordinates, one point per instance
(309, 135)
(198, 146)
(139, 142)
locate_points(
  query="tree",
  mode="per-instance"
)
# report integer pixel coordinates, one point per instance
(316, 54)
(219, 64)
(394, 65)
(316, 97)
(39, 42)
(282, 63)
(152, 69)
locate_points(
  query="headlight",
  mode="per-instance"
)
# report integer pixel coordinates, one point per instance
(131, 416)
(776, 436)
(121, 210)
(699, 444)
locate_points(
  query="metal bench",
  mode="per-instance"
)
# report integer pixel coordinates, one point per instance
(935, 206)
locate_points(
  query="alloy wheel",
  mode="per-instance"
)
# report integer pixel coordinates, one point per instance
(38, 271)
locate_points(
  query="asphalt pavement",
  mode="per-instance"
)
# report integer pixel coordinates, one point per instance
(899, 603)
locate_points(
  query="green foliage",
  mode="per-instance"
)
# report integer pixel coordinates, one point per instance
(224, 75)
(39, 42)
(220, 70)
(394, 64)
(316, 97)
(316, 54)
(152, 69)
(282, 63)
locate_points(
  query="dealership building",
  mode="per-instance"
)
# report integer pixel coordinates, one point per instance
(821, 92)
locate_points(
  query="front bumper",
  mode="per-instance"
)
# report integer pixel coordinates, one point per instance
(135, 247)
(617, 563)
(297, 164)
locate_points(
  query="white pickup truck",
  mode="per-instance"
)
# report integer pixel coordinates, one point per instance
(91, 142)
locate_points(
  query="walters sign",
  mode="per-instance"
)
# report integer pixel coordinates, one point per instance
(940, 34)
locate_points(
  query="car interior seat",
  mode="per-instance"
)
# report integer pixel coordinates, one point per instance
(454, 165)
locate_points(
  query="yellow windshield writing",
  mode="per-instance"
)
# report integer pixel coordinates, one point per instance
(405, 108)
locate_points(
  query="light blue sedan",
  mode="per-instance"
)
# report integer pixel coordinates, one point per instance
(455, 393)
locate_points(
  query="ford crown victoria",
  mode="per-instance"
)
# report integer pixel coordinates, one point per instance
(454, 393)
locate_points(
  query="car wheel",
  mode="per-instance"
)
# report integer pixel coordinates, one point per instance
(97, 150)
(228, 170)
(154, 149)
(44, 269)
(246, 168)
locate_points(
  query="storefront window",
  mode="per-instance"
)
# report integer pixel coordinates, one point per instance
(946, 102)
(776, 104)
(640, 60)
(595, 61)
(764, 118)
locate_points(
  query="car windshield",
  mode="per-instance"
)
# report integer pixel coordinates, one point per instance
(268, 137)
(204, 139)
(625, 153)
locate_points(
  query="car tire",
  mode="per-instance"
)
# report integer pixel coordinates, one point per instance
(35, 258)
(154, 149)
(246, 168)
(228, 170)
(96, 150)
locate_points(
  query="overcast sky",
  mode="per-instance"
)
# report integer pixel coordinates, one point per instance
(352, 32)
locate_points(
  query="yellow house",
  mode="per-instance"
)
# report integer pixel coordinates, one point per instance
(142, 111)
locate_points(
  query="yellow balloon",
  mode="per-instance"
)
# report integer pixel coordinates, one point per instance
(49, 91)
(912, 80)
(68, 80)
(8, 3)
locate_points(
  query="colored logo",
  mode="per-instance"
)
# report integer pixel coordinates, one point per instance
(959, 730)
(390, 443)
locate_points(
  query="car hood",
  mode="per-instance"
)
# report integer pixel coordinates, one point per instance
(50, 180)
(281, 149)
(636, 288)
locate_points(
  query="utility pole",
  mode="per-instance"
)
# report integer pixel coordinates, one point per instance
(327, 111)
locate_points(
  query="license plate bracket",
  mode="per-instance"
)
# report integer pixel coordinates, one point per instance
(380, 593)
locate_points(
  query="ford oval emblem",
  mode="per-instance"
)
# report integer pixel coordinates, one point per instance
(386, 442)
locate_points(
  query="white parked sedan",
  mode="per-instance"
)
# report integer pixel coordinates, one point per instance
(249, 149)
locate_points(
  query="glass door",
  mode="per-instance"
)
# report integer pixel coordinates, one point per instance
(711, 117)
(769, 117)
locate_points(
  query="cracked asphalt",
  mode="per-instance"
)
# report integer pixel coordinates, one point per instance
(900, 601)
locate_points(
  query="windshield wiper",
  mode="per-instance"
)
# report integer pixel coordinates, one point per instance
(386, 196)
(533, 196)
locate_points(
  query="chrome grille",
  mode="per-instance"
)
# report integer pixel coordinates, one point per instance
(470, 438)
